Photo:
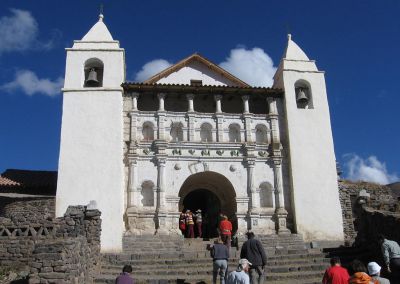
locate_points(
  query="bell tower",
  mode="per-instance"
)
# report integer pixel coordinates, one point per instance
(312, 163)
(91, 148)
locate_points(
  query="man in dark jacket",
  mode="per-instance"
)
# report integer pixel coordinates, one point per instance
(253, 250)
(220, 255)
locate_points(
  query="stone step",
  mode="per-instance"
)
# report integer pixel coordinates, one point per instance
(289, 277)
(189, 262)
(204, 269)
(123, 258)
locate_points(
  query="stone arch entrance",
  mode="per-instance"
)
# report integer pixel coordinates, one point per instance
(213, 193)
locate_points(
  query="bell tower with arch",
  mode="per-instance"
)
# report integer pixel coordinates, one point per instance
(312, 164)
(91, 148)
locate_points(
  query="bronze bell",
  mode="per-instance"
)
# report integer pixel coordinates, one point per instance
(301, 97)
(92, 79)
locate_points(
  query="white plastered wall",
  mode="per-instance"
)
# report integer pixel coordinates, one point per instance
(91, 147)
(198, 71)
(312, 160)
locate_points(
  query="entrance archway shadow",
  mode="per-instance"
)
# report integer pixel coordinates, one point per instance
(213, 193)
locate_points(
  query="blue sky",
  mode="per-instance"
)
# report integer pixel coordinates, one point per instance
(356, 43)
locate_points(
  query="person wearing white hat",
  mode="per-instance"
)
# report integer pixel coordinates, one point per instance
(374, 270)
(240, 276)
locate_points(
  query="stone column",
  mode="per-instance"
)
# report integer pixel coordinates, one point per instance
(254, 201)
(190, 98)
(135, 97)
(133, 116)
(161, 98)
(280, 211)
(161, 117)
(218, 99)
(245, 104)
(161, 183)
(273, 116)
(161, 210)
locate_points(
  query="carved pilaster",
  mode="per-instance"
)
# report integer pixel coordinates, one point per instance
(161, 117)
(280, 212)
(247, 127)
(220, 129)
(132, 185)
(191, 130)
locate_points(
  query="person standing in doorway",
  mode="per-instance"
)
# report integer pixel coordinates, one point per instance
(225, 228)
(189, 224)
(182, 223)
(220, 255)
(199, 223)
(253, 250)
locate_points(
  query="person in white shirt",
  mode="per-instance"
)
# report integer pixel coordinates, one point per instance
(240, 275)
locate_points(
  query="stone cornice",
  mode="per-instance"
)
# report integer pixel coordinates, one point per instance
(188, 89)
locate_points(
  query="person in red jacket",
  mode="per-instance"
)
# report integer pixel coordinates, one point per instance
(336, 274)
(225, 228)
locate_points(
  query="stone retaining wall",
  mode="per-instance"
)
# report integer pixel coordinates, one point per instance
(63, 250)
(27, 210)
(380, 198)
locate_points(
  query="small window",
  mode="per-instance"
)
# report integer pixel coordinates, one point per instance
(94, 70)
(196, 83)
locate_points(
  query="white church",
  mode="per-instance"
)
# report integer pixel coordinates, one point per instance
(196, 137)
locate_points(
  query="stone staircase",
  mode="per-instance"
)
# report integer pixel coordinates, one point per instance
(169, 259)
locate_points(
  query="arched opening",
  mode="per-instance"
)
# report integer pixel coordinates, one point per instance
(261, 134)
(176, 132)
(148, 131)
(147, 194)
(234, 133)
(94, 69)
(210, 206)
(213, 194)
(304, 97)
(206, 132)
(266, 195)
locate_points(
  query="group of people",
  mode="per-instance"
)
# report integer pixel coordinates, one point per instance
(336, 274)
(187, 222)
(251, 265)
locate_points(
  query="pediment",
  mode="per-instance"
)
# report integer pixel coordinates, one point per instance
(196, 67)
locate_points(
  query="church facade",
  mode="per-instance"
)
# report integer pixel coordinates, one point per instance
(196, 137)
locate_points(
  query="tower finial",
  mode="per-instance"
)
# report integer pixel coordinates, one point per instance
(101, 16)
(289, 36)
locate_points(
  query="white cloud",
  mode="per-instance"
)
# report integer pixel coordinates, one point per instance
(29, 83)
(19, 32)
(369, 169)
(151, 68)
(253, 66)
